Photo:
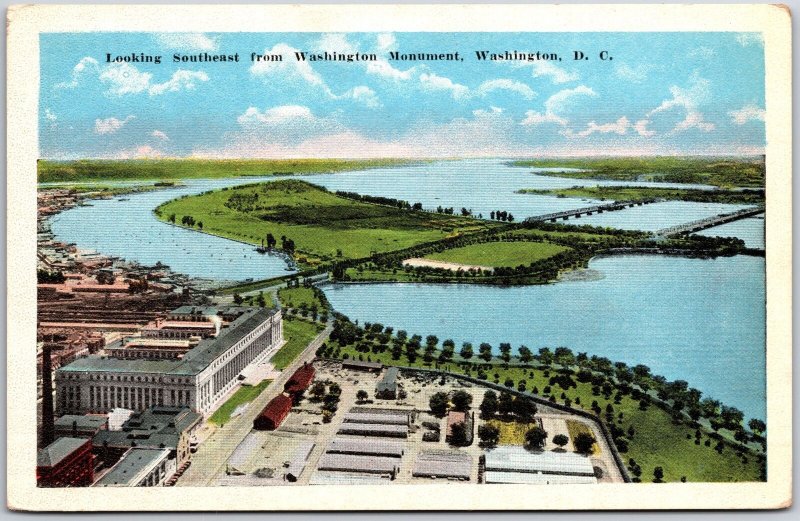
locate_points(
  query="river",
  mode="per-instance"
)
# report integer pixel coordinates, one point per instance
(702, 321)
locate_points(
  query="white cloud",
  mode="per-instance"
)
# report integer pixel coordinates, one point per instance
(187, 41)
(620, 127)
(504, 84)
(363, 94)
(124, 79)
(633, 74)
(641, 128)
(160, 135)
(747, 113)
(275, 115)
(180, 80)
(110, 125)
(87, 64)
(748, 39)
(335, 42)
(383, 69)
(386, 41)
(49, 115)
(433, 82)
(288, 69)
(556, 104)
(687, 99)
(549, 70)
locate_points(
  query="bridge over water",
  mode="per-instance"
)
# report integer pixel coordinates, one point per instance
(709, 222)
(589, 210)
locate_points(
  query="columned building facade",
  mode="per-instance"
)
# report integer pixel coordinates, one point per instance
(200, 378)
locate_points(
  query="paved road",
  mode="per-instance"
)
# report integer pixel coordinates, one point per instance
(212, 455)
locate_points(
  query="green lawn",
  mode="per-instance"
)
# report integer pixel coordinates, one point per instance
(298, 334)
(245, 394)
(723, 172)
(322, 225)
(657, 441)
(499, 254)
(632, 193)
(511, 432)
(296, 297)
(95, 169)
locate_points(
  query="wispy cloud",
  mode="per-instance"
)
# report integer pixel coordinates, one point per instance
(110, 125)
(187, 41)
(520, 88)
(620, 127)
(554, 105)
(747, 113)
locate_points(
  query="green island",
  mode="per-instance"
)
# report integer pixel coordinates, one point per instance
(722, 172)
(114, 170)
(654, 422)
(321, 225)
(637, 193)
(498, 255)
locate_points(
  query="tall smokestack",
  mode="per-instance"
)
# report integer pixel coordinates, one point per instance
(48, 421)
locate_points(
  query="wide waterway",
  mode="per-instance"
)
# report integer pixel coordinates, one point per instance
(702, 321)
(126, 227)
(697, 320)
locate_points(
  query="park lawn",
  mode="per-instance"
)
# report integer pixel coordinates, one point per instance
(511, 432)
(245, 394)
(637, 193)
(298, 334)
(296, 297)
(96, 169)
(321, 224)
(575, 427)
(499, 254)
(671, 169)
(531, 232)
(657, 441)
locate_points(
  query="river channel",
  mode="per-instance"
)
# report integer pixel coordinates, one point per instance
(698, 320)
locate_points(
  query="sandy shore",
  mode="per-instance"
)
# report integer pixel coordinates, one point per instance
(452, 266)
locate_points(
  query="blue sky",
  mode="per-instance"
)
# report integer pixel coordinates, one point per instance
(662, 93)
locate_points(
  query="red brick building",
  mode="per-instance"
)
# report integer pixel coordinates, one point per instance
(300, 380)
(273, 414)
(67, 462)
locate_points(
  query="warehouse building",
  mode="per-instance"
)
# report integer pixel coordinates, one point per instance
(514, 464)
(366, 447)
(80, 426)
(273, 414)
(300, 380)
(140, 467)
(443, 464)
(363, 464)
(376, 418)
(386, 389)
(372, 429)
(199, 374)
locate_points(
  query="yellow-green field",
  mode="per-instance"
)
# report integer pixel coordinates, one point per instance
(298, 334)
(511, 432)
(245, 394)
(575, 427)
(499, 254)
(322, 225)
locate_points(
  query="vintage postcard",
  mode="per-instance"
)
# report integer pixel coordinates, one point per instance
(399, 257)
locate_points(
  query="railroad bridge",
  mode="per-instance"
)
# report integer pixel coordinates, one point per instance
(709, 222)
(589, 210)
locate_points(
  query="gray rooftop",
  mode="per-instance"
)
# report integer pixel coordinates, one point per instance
(193, 362)
(128, 471)
(81, 421)
(156, 427)
(54, 453)
(389, 381)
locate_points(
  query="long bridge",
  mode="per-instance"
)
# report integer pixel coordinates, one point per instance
(709, 222)
(589, 210)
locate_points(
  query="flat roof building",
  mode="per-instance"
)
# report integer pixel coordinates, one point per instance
(80, 426)
(139, 467)
(520, 460)
(199, 379)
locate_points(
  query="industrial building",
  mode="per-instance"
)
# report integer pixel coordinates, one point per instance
(67, 462)
(168, 428)
(386, 389)
(377, 418)
(364, 464)
(80, 426)
(366, 447)
(140, 467)
(514, 464)
(300, 380)
(216, 345)
(273, 414)
(443, 464)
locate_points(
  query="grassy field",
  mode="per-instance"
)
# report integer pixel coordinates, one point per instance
(499, 254)
(92, 170)
(657, 440)
(322, 225)
(298, 334)
(296, 297)
(721, 172)
(633, 193)
(511, 432)
(245, 394)
(575, 427)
